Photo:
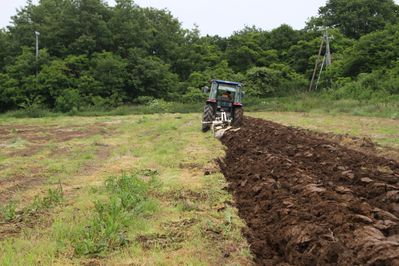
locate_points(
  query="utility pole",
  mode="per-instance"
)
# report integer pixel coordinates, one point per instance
(327, 61)
(321, 71)
(316, 65)
(37, 34)
(328, 50)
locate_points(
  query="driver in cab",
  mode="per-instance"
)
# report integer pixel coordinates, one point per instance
(226, 96)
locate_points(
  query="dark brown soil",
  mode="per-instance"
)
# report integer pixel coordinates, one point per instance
(310, 201)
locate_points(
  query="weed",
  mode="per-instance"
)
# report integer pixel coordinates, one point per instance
(129, 189)
(53, 198)
(228, 221)
(127, 199)
(105, 230)
(8, 212)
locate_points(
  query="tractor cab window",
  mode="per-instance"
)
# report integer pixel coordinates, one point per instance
(238, 95)
(226, 92)
(226, 96)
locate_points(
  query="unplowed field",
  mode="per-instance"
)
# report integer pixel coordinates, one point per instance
(307, 200)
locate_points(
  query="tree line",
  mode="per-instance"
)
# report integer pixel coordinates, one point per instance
(93, 54)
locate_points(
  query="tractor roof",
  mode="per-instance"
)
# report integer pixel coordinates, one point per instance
(227, 82)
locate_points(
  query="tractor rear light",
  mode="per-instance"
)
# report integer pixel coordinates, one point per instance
(237, 104)
(212, 101)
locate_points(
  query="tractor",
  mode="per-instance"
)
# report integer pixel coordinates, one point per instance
(223, 107)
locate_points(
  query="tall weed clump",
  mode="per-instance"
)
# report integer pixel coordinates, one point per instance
(127, 199)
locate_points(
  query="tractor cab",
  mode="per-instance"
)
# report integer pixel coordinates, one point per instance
(225, 93)
(224, 104)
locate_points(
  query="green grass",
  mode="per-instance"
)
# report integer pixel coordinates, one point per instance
(158, 107)
(300, 102)
(171, 222)
(320, 103)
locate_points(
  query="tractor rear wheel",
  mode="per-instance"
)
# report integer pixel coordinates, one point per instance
(209, 114)
(238, 116)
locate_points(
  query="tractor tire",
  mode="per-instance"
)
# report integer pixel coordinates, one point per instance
(238, 116)
(209, 115)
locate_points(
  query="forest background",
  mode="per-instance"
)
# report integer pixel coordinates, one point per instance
(95, 57)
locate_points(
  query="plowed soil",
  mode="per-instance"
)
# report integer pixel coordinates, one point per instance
(307, 200)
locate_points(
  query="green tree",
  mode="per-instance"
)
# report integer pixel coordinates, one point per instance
(356, 18)
(129, 26)
(5, 47)
(52, 81)
(196, 54)
(375, 50)
(149, 76)
(110, 70)
(243, 49)
(283, 37)
(10, 93)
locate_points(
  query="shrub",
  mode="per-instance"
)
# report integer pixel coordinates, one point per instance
(160, 106)
(69, 100)
(193, 95)
(144, 99)
(277, 80)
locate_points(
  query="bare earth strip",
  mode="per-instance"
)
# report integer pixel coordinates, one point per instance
(310, 201)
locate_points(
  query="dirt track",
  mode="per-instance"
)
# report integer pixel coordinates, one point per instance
(309, 201)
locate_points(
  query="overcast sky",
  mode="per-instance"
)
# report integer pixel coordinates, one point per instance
(221, 17)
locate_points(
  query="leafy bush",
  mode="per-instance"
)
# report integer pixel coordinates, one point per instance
(70, 100)
(379, 84)
(275, 81)
(159, 106)
(33, 108)
(99, 102)
(193, 95)
(144, 99)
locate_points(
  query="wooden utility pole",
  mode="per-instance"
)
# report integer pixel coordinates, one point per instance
(37, 34)
(316, 65)
(327, 61)
(328, 50)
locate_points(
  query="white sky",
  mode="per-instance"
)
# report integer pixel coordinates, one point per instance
(221, 17)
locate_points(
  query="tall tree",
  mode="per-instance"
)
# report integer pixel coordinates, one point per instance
(5, 48)
(358, 17)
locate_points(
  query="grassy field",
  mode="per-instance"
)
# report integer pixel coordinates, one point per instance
(58, 209)
(316, 103)
(129, 190)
